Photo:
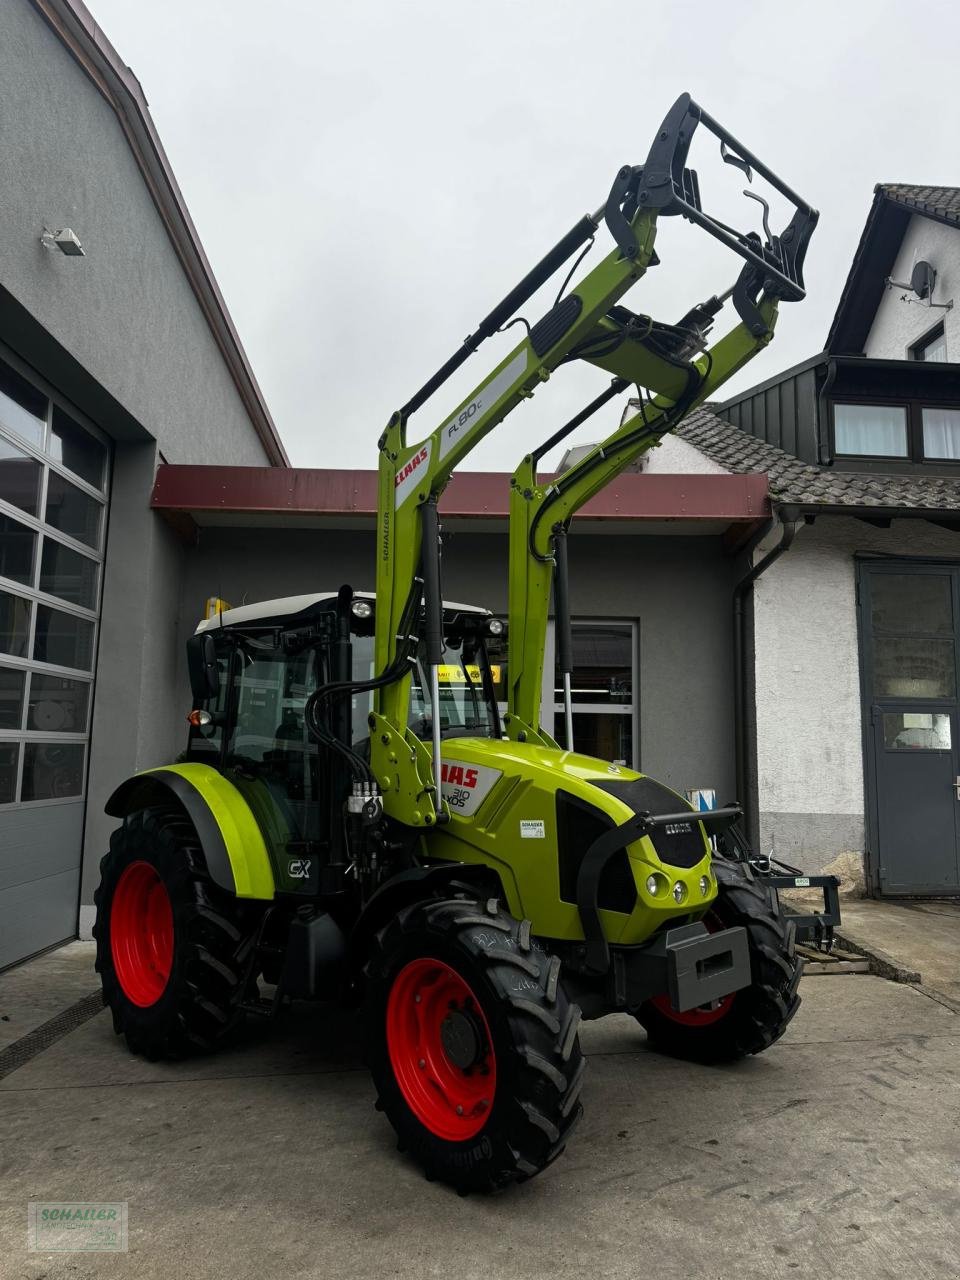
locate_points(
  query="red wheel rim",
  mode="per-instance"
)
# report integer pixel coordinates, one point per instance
(141, 934)
(704, 1015)
(440, 1049)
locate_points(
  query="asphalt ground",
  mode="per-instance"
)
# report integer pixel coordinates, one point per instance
(836, 1153)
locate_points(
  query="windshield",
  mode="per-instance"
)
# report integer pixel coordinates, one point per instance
(465, 710)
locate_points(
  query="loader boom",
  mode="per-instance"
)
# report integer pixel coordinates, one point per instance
(587, 324)
(540, 515)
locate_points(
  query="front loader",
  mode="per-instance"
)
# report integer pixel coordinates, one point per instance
(356, 816)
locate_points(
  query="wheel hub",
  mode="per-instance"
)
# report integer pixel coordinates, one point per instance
(461, 1039)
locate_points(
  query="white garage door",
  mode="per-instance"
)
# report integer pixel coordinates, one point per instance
(53, 505)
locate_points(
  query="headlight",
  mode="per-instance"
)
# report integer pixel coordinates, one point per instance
(704, 886)
(679, 891)
(361, 608)
(494, 627)
(653, 886)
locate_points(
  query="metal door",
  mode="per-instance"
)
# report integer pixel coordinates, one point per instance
(909, 616)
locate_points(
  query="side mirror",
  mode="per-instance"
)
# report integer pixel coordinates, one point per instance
(202, 667)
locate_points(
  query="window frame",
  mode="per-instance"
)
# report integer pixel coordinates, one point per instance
(551, 708)
(915, 349)
(914, 457)
(867, 402)
(935, 404)
(24, 736)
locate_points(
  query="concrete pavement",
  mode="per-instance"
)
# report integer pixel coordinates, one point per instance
(912, 937)
(836, 1153)
(34, 992)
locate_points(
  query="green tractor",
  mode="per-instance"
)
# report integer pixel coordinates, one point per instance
(369, 811)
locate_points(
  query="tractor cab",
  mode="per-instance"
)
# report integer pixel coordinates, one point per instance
(253, 670)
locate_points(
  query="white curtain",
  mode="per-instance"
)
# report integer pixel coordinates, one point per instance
(872, 429)
(941, 433)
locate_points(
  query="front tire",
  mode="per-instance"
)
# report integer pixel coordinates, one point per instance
(472, 1043)
(175, 953)
(752, 1019)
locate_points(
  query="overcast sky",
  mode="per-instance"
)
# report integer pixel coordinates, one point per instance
(369, 178)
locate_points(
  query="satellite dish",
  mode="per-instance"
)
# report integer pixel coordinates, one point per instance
(922, 279)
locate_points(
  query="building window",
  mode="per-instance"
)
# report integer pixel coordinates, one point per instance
(23, 409)
(604, 685)
(912, 623)
(19, 477)
(870, 430)
(941, 433)
(931, 347)
(53, 509)
(912, 431)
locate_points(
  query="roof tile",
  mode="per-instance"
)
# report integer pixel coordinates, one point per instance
(794, 481)
(941, 202)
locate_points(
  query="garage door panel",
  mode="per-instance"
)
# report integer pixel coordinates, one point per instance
(41, 842)
(31, 920)
(54, 476)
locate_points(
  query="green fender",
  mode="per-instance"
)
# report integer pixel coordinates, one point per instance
(232, 842)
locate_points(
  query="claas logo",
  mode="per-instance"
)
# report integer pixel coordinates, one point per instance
(458, 775)
(417, 460)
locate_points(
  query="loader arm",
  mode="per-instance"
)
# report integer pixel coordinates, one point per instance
(587, 323)
(540, 516)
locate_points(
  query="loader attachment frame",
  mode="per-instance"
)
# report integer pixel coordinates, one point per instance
(588, 323)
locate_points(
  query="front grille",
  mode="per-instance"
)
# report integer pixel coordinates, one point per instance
(644, 795)
(578, 825)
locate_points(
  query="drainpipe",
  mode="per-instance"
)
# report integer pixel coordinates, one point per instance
(824, 457)
(790, 524)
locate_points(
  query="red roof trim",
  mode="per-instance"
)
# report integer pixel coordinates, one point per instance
(470, 494)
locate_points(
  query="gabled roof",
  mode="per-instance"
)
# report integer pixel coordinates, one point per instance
(76, 27)
(894, 203)
(796, 483)
(941, 203)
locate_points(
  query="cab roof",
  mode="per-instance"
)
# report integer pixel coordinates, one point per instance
(294, 608)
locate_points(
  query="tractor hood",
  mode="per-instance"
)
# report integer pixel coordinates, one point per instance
(537, 810)
(478, 765)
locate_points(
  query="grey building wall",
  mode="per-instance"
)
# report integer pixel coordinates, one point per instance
(121, 335)
(677, 589)
(125, 312)
(137, 717)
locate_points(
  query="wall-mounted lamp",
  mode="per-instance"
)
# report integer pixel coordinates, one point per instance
(66, 241)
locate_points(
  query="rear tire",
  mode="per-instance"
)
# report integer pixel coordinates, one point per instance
(752, 1019)
(465, 1011)
(175, 954)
